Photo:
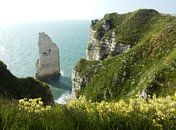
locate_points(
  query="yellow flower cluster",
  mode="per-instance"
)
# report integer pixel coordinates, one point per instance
(33, 105)
(155, 109)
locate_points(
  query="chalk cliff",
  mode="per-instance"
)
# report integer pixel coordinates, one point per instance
(78, 82)
(113, 71)
(98, 49)
(48, 62)
(101, 49)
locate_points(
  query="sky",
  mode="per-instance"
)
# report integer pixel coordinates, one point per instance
(41, 10)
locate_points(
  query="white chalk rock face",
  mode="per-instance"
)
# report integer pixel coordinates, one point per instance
(48, 65)
(99, 49)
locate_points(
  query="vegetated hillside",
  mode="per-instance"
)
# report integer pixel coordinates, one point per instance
(82, 114)
(129, 28)
(17, 88)
(150, 65)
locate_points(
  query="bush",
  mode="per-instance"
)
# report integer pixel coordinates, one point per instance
(156, 113)
(83, 114)
(33, 105)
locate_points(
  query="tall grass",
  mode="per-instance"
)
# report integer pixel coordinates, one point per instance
(82, 114)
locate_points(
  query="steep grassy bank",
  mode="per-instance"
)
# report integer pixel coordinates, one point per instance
(149, 65)
(82, 114)
(17, 88)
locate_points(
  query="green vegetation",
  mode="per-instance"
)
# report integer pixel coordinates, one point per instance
(83, 114)
(129, 27)
(109, 100)
(33, 105)
(86, 67)
(17, 88)
(149, 64)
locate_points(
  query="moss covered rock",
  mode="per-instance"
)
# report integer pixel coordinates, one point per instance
(17, 88)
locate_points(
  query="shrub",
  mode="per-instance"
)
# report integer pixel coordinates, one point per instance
(156, 113)
(33, 105)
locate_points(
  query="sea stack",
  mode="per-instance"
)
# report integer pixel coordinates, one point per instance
(48, 65)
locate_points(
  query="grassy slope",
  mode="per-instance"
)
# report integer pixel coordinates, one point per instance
(13, 87)
(129, 27)
(81, 114)
(152, 62)
(147, 65)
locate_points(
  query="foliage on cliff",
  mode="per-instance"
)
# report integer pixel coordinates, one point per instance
(129, 28)
(17, 88)
(149, 65)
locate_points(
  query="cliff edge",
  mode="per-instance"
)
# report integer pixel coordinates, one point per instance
(17, 88)
(128, 54)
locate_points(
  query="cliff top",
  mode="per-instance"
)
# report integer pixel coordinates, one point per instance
(149, 65)
(128, 27)
(17, 88)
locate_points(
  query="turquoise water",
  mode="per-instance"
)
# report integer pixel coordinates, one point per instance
(19, 49)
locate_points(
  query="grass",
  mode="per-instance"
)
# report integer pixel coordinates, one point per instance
(83, 114)
(129, 27)
(147, 65)
(16, 88)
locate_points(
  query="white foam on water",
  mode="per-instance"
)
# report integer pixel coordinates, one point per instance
(63, 99)
(62, 72)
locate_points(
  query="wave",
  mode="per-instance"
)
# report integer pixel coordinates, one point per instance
(62, 72)
(63, 99)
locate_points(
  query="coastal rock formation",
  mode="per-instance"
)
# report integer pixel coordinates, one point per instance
(147, 68)
(101, 49)
(97, 50)
(48, 62)
(78, 82)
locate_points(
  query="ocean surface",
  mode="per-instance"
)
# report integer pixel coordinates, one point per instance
(19, 49)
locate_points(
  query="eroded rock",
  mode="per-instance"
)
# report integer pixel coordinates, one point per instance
(101, 49)
(48, 65)
(78, 82)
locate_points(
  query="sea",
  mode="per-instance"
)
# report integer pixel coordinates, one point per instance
(19, 49)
